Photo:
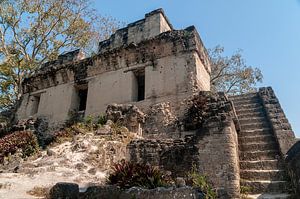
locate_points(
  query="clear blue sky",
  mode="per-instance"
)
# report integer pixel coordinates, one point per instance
(268, 32)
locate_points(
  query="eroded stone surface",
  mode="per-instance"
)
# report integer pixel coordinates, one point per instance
(126, 115)
(112, 192)
(293, 164)
(214, 131)
(147, 53)
(280, 125)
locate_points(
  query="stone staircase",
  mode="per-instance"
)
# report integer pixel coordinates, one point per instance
(261, 168)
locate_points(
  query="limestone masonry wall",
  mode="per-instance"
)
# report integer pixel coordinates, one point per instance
(215, 155)
(213, 148)
(280, 124)
(153, 24)
(293, 165)
(147, 53)
(71, 190)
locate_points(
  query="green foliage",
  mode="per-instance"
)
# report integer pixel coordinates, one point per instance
(245, 190)
(24, 140)
(101, 120)
(73, 118)
(93, 123)
(231, 74)
(200, 182)
(126, 175)
(33, 32)
(89, 122)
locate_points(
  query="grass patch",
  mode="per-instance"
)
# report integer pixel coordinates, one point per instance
(200, 182)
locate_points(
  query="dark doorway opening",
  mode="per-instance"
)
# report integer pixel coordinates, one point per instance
(82, 93)
(35, 104)
(140, 77)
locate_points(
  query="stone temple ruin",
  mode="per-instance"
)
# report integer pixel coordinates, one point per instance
(156, 80)
(143, 64)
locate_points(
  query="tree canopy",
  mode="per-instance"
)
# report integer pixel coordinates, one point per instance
(33, 32)
(231, 74)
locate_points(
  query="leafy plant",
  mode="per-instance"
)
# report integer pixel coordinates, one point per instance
(101, 120)
(128, 174)
(245, 189)
(200, 182)
(73, 118)
(24, 140)
(89, 122)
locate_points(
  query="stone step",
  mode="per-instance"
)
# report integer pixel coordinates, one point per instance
(263, 175)
(258, 187)
(261, 164)
(252, 120)
(269, 196)
(256, 132)
(240, 106)
(259, 138)
(246, 100)
(259, 146)
(244, 96)
(256, 110)
(259, 155)
(249, 115)
(254, 126)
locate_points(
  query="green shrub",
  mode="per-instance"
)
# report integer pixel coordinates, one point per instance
(126, 175)
(245, 190)
(89, 123)
(73, 118)
(24, 140)
(88, 120)
(95, 123)
(101, 120)
(200, 182)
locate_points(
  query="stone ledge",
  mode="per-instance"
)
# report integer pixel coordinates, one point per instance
(293, 164)
(70, 190)
(281, 127)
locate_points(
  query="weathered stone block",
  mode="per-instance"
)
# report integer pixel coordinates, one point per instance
(63, 190)
(293, 163)
(280, 125)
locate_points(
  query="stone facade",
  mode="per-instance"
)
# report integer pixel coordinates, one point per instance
(293, 164)
(202, 147)
(143, 63)
(280, 124)
(126, 115)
